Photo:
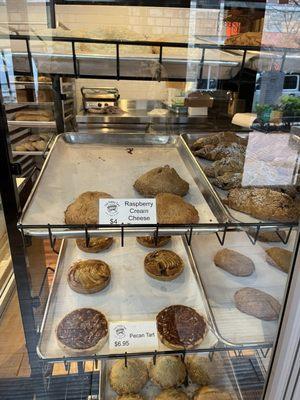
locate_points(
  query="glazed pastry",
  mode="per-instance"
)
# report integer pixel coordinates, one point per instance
(257, 303)
(264, 204)
(219, 138)
(130, 379)
(211, 393)
(172, 209)
(279, 258)
(161, 180)
(149, 241)
(228, 164)
(221, 151)
(96, 244)
(88, 276)
(229, 180)
(85, 209)
(172, 394)
(180, 327)
(234, 262)
(268, 236)
(82, 329)
(168, 372)
(130, 397)
(164, 265)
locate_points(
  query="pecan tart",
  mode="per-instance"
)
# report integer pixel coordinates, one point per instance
(164, 265)
(96, 244)
(149, 241)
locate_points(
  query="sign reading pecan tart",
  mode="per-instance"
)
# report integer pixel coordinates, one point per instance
(149, 241)
(82, 329)
(164, 265)
(180, 327)
(88, 276)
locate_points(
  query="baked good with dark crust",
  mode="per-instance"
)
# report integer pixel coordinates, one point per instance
(172, 209)
(167, 372)
(226, 164)
(227, 181)
(88, 276)
(279, 258)
(212, 393)
(149, 241)
(264, 204)
(171, 394)
(234, 262)
(85, 209)
(161, 180)
(268, 236)
(84, 329)
(96, 244)
(213, 153)
(257, 303)
(181, 327)
(164, 265)
(128, 379)
(218, 138)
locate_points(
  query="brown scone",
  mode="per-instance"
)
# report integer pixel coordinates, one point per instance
(180, 327)
(203, 371)
(172, 394)
(221, 151)
(82, 329)
(279, 258)
(257, 303)
(219, 138)
(264, 204)
(227, 181)
(228, 164)
(234, 262)
(161, 180)
(85, 209)
(172, 209)
(149, 241)
(268, 236)
(88, 276)
(164, 265)
(96, 244)
(130, 397)
(212, 393)
(128, 379)
(168, 372)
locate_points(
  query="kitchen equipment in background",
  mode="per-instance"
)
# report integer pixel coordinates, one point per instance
(99, 98)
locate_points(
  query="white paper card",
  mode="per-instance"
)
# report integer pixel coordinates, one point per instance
(127, 211)
(132, 335)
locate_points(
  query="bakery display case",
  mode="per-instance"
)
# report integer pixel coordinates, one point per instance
(174, 231)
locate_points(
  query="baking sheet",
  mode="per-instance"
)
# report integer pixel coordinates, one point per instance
(33, 124)
(233, 325)
(107, 165)
(131, 295)
(223, 376)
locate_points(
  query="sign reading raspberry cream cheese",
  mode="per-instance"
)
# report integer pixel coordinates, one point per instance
(127, 211)
(132, 335)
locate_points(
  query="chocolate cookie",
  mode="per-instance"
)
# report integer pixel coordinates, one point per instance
(149, 241)
(279, 258)
(234, 262)
(128, 379)
(88, 276)
(172, 209)
(164, 265)
(82, 329)
(257, 303)
(212, 393)
(95, 245)
(181, 327)
(172, 394)
(167, 372)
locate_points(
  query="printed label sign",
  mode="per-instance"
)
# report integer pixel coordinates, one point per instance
(127, 211)
(132, 335)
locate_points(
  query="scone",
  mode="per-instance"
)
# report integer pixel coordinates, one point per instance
(180, 327)
(84, 329)
(161, 180)
(96, 244)
(279, 258)
(218, 138)
(88, 276)
(234, 262)
(172, 209)
(213, 153)
(268, 236)
(227, 181)
(203, 371)
(149, 241)
(211, 393)
(130, 397)
(257, 303)
(168, 372)
(85, 209)
(172, 394)
(164, 265)
(128, 379)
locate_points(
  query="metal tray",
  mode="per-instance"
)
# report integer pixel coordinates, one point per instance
(231, 326)
(131, 294)
(33, 124)
(82, 162)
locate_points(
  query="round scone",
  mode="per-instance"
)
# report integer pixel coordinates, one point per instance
(85, 209)
(88, 276)
(211, 393)
(130, 379)
(203, 371)
(149, 241)
(164, 265)
(234, 262)
(130, 397)
(95, 245)
(172, 209)
(180, 327)
(168, 372)
(84, 329)
(172, 394)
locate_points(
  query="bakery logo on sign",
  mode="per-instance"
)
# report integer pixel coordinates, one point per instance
(120, 331)
(112, 208)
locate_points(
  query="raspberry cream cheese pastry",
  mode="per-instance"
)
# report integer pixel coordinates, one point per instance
(95, 245)
(149, 241)
(164, 265)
